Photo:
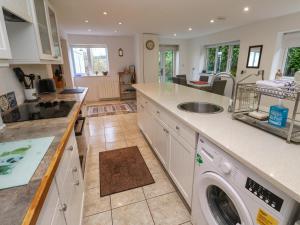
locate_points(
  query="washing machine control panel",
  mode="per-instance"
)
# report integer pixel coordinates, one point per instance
(264, 194)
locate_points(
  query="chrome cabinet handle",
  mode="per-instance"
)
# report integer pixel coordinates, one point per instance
(74, 170)
(63, 207)
(76, 183)
(177, 128)
(71, 148)
(165, 130)
(158, 112)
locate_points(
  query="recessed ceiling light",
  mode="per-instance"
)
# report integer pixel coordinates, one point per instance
(86, 21)
(120, 23)
(105, 13)
(190, 29)
(89, 30)
(212, 21)
(246, 9)
(174, 35)
(115, 31)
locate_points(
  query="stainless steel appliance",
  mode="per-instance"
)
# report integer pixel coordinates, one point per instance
(46, 86)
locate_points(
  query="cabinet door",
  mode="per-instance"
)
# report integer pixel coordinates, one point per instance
(4, 43)
(181, 167)
(43, 29)
(21, 8)
(54, 33)
(59, 217)
(161, 142)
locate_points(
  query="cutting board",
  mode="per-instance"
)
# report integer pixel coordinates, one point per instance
(20, 159)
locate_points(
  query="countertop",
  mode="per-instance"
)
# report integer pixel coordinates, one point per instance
(271, 157)
(21, 205)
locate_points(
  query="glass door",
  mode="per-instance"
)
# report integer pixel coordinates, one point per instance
(166, 64)
(43, 30)
(54, 32)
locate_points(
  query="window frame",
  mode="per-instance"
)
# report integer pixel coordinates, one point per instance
(88, 47)
(284, 60)
(229, 57)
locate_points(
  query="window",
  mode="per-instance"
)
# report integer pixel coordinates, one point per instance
(222, 58)
(89, 60)
(292, 62)
(291, 54)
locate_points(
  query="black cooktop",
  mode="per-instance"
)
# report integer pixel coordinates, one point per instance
(38, 111)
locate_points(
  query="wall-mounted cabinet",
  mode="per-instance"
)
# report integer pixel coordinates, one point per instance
(5, 52)
(20, 8)
(37, 41)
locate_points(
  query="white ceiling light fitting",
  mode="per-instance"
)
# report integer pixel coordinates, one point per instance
(105, 13)
(86, 21)
(190, 29)
(120, 23)
(174, 35)
(89, 30)
(212, 21)
(115, 31)
(246, 9)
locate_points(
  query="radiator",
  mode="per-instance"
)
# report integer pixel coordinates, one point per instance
(108, 87)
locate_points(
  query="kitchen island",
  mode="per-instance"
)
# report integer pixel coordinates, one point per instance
(269, 156)
(23, 204)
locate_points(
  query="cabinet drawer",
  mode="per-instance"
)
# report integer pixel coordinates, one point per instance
(49, 206)
(180, 128)
(65, 161)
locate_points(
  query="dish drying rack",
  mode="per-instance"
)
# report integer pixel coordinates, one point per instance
(248, 97)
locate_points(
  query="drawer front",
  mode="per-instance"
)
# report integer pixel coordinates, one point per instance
(180, 128)
(49, 206)
(65, 161)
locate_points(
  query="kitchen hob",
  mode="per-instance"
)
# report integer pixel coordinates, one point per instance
(38, 111)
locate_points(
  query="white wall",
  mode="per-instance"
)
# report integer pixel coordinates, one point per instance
(9, 82)
(139, 57)
(268, 33)
(116, 63)
(183, 52)
(150, 59)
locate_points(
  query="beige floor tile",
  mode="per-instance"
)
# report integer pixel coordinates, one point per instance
(132, 135)
(188, 223)
(97, 141)
(161, 186)
(111, 124)
(140, 142)
(127, 197)
(94, 204)
(112, 137)
(115, 145)
(98, 219)
(92, 179)
(134, 214)
(113, 130)
(95, 130)
(168, 210)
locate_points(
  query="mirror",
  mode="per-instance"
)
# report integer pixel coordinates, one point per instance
(254, 56)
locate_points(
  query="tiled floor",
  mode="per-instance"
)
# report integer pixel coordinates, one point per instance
(157, 203)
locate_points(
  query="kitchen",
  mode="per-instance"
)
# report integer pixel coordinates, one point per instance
(76, 148)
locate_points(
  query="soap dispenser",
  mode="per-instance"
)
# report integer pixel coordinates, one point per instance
(278, 115)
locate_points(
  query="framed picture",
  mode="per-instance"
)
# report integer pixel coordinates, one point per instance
(254, 56)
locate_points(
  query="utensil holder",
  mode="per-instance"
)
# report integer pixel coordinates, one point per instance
(30, 94)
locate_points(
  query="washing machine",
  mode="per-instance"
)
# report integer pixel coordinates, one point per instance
(225, 192)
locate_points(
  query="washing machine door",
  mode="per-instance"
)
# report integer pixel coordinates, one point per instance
(220, 203)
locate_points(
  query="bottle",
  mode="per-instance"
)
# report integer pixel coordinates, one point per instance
(278, 115)
(278, 75)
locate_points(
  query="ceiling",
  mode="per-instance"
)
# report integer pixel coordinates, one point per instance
(164, 17)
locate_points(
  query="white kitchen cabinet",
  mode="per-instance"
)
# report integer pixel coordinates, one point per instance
(37, 42)
(181, 168)
(64, 201)
(161, 141)
(20, 8)
(173, 142)
(5, 52)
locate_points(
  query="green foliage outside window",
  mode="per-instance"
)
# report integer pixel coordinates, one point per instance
(234, 59)
(211, 58)
(222, 58)
(292, 62)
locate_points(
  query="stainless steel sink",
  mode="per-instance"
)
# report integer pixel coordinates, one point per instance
(200, 107)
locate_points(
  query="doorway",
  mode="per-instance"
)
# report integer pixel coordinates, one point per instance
(168, 55)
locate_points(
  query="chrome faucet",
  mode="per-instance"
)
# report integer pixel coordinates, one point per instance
(227, 75)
